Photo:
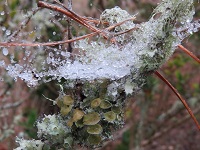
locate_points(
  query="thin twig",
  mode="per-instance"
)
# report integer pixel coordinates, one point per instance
(189, 53)
(89, 19)
(23, 24)
(70, 4)
(167, 129)
(69, 27)
(123, 32)
(5, 44)
(180, 97)
(120, 23)
(11, 105)
(68, 13)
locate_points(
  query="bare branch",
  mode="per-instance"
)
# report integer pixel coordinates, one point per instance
(189, 53)
(11, 105)
(167, 129)
(5, 44)
(180, 97)
(70, 14)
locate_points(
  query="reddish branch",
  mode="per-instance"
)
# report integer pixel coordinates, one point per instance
(75, 17)
(180, 97)
(6, 44)
(70, 14)
(189, 53)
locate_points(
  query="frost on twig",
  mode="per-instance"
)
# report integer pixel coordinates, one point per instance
(101, 75)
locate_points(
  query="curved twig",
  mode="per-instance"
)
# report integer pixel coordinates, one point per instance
(180, 97)
(167, 129)
(189, 53)
(68, 13)
(5, 44)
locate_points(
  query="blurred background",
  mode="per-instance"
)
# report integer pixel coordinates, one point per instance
(155, 118)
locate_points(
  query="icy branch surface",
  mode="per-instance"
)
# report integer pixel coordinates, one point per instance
(144, 49)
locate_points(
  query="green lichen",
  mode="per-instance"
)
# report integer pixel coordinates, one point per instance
(52, 127)
(94, 139)
(94, 129)
(95, 103)
(77, 115)
(91, 118)
(105, 105)
(30, 144)
(110, 116)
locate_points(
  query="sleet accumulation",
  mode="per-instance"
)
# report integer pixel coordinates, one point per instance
(142, 50)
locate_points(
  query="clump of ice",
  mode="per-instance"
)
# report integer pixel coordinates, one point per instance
(148, 47)
(116, 15)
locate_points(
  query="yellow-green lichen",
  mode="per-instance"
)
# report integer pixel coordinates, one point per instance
(116, 110)
(77, 115)
(110, 116)
(91, 118)
(65, 110)
(94, 139)
(94, 129)
(95, 103)
(105, 105)
(67, 100)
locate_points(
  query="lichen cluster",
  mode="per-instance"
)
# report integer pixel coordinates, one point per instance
(30, 144)
(91, 114)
